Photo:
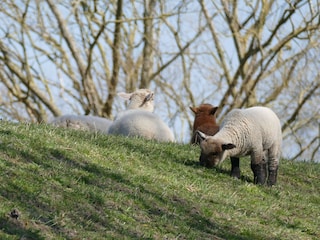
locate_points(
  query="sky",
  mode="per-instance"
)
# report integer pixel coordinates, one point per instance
(204, 74)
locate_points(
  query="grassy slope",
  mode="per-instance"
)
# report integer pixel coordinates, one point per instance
(77, 185)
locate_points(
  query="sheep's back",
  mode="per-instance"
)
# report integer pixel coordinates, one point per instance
(265, 121)
(252, 126)
(91, 123)
(140, 123)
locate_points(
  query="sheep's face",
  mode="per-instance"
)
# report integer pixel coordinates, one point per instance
(211, 153)
(212, 150)
(204, 113)
(204, 121)
(140, 99)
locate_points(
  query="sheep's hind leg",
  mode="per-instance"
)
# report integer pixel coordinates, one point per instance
(273, 162)
(272, 178)
(235, 167)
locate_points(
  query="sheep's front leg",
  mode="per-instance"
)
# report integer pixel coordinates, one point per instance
(235, 167)
(259, 169)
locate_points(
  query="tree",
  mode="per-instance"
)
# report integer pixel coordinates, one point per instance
(273, 42)
(73, 56)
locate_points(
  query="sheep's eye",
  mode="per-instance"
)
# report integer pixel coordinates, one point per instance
(148, 97)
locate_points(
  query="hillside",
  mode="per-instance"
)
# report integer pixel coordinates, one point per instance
(64, 184)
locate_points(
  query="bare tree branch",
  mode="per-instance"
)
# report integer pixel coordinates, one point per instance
(300, 105)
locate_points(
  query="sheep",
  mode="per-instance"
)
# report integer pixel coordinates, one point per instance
(254, 131)
(141, 123)
(204, 121)
(141, 98)
(90, 123)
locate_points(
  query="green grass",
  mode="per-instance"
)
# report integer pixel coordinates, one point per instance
(78, 185)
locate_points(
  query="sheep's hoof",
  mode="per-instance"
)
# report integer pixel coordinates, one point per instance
(272, 179)
(259, 172)
(235, 172)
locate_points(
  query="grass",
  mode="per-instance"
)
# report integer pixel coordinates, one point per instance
(77, 185)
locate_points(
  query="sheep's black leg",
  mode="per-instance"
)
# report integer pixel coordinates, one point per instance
(235, 167)
(260, 172)
(272, 178)
(273, 163)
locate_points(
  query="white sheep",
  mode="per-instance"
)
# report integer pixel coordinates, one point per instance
(78, 122)
(253, 131)
(141, 98)
(141, 123)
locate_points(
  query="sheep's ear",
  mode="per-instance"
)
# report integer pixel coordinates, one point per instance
(194, 109)
(213, 110)
(200, 135)
(228, 146)
(125, 96)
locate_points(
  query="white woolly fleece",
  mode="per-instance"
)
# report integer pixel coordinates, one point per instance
(252, 130)
(141, 123)
(91, 123)
(141, 98)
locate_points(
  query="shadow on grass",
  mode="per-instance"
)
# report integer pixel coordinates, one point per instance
(5, 132)
(187, 161)
(15, 227)
(151, 205)
(195, 163)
